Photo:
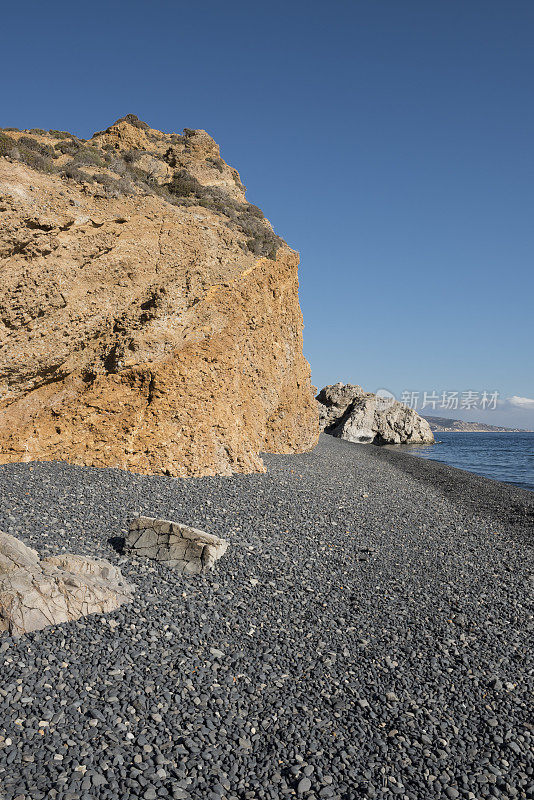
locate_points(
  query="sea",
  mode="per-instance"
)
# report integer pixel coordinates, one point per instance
(507, 457)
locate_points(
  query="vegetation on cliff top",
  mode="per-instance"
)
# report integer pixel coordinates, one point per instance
(111, 171)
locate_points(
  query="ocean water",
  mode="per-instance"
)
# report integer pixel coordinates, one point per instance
(507, 457)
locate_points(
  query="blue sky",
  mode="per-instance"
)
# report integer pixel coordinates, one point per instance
(389, 142)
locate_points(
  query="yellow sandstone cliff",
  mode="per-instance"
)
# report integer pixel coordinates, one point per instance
(149, 316)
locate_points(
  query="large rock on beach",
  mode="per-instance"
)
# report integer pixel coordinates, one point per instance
(36, 593)
(178, 546)
(149, 317)
(348, 412)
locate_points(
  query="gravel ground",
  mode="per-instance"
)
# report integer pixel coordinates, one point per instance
(364, 636)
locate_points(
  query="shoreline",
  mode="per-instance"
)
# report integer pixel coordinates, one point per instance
(483, 495)
(415, 451)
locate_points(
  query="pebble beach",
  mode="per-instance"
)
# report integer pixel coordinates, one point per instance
(366, 635)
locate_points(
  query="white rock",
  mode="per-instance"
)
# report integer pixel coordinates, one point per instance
(179, 546)
(346, 411)
(35, 593)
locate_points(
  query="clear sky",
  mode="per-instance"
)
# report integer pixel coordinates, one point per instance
(389, 141)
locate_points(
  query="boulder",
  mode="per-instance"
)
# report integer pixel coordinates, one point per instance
(35, 593)
(178, 546)
(348, 412)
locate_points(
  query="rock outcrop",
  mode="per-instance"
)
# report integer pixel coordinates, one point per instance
(346, 411)
(178, 546)
(35, 593)
(149, 317)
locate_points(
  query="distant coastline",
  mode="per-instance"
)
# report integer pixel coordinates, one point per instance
(481, 430)
(446, 425)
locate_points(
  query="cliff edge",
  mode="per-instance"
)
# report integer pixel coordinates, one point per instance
(149, 317)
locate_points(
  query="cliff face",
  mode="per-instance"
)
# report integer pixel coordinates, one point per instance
(149, 316)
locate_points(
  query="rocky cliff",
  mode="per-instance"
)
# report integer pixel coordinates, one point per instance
(149, 316)
(346, 411)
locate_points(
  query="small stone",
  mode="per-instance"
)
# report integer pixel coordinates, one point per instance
(304, 786)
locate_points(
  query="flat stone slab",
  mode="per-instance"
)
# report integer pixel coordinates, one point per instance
(178, 546)
(38, 592)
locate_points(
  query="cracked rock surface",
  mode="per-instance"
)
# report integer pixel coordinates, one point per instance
(37, 593)
(178, 546)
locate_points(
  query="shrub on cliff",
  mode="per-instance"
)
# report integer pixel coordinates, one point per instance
(68, 147)
(254, 211)
(73, 172)
(114, 187)
(6, 145)
(45, 150)
(246, 217)
(122, 186)
(105, 180)
(218, 163)
(131, 156)
(88, 156)
(28, 151)
(133, 119)
(184, 185)
(262, 240)
(115, 163)
(34, 160)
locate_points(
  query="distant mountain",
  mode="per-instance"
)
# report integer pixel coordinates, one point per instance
(459, 425)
